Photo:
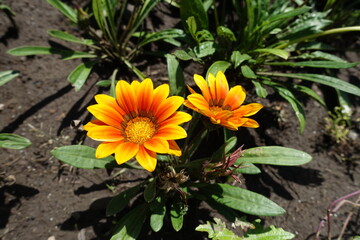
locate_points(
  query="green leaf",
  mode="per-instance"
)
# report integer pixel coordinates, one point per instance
(260, 90)
(237, 58)
(146, 7)
(176, 76)
(163, 34)
(64, 9)
(103, 83)
(241, 199)
(119, 202)
(176, 215)
(275, 155)
(247, 168)
(129, 226)
(217, 230)
(150, 191)
(225, 34)
(269, 233)
(315, 64)
(326, 80)
(6, 76)
(196, 9)
(219, 154)
(81, 156)
(217, 66)
(204, 49)
(80, 74)
(70, 38)
(278, 52)
(310, 93)
(185, 55)
(13, 141)
(247, 72)
(158, 209)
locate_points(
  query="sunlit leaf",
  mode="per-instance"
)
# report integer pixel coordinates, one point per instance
(158, 209)
(13, 141)
(278, 52)
(218, 66)
(196, 9)
(176, 76)
(217, 230)
(315, 64)
(247, 72)
(176, 215)
(64, 9)
(259, 88)
(80, 74)
(6, 76)
(70, 38)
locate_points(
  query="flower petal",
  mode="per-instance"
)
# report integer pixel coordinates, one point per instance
(157, 144)
(146, 158)
(105, 149)
(177, 118)
(106, 114)
(204, 87)
(174, 148)
(125, 97)
(125, 151)
(93, 123)
(160, 94)
(171, 132)
(198, 101)
(250, 109)
(212, 88)
(105, 133)
(110, 101)
(222, 86)
(251, 123)
(235, 97)
(168, 107)
(145, 95)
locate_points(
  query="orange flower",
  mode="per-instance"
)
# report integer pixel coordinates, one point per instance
(140, 122)
(221, 105)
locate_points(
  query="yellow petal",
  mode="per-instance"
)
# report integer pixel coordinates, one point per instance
(106, 114)
(160, 94)
(235, 97)
(106, 149)
(198, 101)
(212, 88)
(222, 86)
(251, 123)
(204, 87)
(174, 148)
(105, 133)
(145, 95)
(125, 97)
(146, 158)
(93, 123)
(125, 151)
(224, 114)
(250, 109)
(171, 132)
(157, 144)
(177, 118)
(168, 107)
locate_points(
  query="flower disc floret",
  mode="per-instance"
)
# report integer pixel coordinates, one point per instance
(220, 104)
(140, 122)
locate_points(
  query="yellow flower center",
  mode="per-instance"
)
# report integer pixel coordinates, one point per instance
(139, 130)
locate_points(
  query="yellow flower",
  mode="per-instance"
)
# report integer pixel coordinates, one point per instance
(140, 122)
(221, 105)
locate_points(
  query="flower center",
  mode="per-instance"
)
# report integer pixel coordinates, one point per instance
(139, 130)
(216, 109)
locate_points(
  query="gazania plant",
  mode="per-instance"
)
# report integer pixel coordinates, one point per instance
(141, 127)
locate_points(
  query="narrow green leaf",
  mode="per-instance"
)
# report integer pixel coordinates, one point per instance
(247, 72)
(129, 226)
(6, 76)
(98, 11)
(119, 202)
(81, 156)
(247, 168)
(326, 80)
(70, 38)
(196, 9)
(176, 76)
(80, 74)
(176, 216)
(64, 9)
(150, 191)
(278, 52)
(103, 83)
(13, 141)
(147, 6)
(275, 155)
(217, 66)
(224, 149)
(315, 64)
(242, 200)
(311, 93)
(161, 35)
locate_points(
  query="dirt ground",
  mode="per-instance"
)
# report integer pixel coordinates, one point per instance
(40, 198)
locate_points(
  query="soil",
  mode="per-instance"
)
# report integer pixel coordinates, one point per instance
(41, 198)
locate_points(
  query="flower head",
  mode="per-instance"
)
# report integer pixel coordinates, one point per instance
(221, 105)
(140, 122)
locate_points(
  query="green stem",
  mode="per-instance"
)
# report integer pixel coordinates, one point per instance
(324, 33)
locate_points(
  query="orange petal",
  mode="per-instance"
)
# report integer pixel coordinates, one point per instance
(135, 85)
(145, 94)
(235, 97)
(198, 101)
(168, 107)
(188, 104)
(105, 133)
(250, 109)
(222, 86)
(106, 149)
(190, 89)
(171, 132)
(177, 118)
(224, 114)
(106, 114)
(110, 101)
(146, 158)
(251, 123)
(157, 144)
(125, 151)
(160, 94)
(93, 123)
(125, 97)
(212, 87)
(174, 148)
(204, 87)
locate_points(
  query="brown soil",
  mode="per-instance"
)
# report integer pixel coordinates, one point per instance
(41, 198)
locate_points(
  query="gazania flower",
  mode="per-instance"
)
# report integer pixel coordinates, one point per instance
(221, 105)
(140, 122)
